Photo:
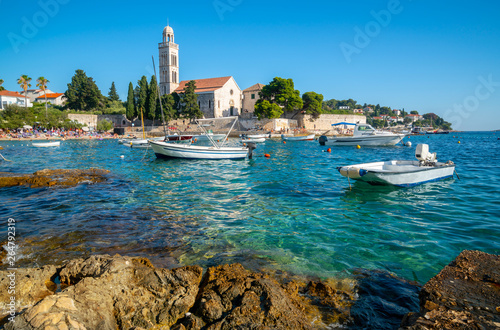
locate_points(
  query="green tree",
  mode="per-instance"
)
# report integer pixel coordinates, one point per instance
(414, 112)
(152, 100)
(142, 95)
(24, 82)
(83, 93)
(312, 103)
(283, 93)
(42, 84)
(130, 113)
(189, 102)
(112, 94)
(104, 125)
(1, 83)
(266, 109)
(169, 110)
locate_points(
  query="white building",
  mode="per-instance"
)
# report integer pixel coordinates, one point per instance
(53, 98)
(217, 97)
(169, 62)
(8, 97)
(34, 93)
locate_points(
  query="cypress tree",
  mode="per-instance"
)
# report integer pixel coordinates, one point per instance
(130, 102)
(142, 96)
(152, 100)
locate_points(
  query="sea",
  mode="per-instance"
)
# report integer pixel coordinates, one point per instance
(288, 213)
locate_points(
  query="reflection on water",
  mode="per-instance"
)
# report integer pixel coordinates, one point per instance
(291, 212)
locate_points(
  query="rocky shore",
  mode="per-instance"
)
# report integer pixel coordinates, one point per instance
(105, 292)
(49, 178)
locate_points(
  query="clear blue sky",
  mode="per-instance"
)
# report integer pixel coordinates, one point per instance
(441, 57)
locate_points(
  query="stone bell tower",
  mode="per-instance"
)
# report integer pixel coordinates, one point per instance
(169, 62)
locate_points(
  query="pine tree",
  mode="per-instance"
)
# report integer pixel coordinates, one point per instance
(113, 95)
(130, 102)
(189, 99)
(83, 93)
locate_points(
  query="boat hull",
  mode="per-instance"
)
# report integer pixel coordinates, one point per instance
(170, 150)
(398, 173)
(255, 140)
(46, 144)
(370, 140)
(309, 137)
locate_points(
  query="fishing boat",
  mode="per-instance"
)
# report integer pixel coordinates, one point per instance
(47, 144)
(401, 173)
(363, 135)
(217, 150)
(309, 137)
(207, 135)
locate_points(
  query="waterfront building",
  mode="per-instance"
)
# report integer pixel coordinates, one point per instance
(217, 97)
(34, 93)
(250, 97)
(8, 97)
(52, 98)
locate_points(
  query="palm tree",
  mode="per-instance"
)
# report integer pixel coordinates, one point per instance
(1, 82)
(24, 82)
(42, 84)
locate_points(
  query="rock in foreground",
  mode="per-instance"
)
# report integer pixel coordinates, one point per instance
(49, 178)
(464, 295)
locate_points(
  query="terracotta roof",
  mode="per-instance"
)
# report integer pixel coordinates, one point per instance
(9, 93)
(204, 85)
(50, 96)
(256, 87)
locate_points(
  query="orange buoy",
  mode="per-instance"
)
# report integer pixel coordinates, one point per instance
(267, 155)
(329, 150)
(195, 140)
(284, 142)
(217, 140)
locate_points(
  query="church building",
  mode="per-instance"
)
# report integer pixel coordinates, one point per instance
(217, 97)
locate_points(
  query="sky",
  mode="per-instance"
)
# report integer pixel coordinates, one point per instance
(429, 56)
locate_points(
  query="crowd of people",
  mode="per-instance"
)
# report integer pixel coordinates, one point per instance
(44, 133)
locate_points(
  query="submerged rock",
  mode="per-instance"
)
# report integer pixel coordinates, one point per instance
(49, 178)
(464, 295)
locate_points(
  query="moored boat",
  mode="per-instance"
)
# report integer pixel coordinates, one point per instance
(46, 144)
(309, 137)
(401, 173)
(363, 135)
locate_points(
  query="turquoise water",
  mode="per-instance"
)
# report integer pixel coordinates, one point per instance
(291, 212)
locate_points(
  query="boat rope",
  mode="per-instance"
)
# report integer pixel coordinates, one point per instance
(349, 180)
(456, 174)
(5, 158)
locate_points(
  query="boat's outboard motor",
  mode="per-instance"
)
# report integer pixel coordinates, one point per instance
(251, 147)
(322, 140)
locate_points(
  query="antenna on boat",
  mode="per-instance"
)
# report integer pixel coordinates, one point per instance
(159, 98)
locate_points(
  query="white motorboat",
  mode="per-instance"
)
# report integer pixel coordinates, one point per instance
(207, 135)
(363, 135)
(217, 150)
(46, 144)
(255, 136)
(255, 140)
(139, 144)
(309, 137)
(401, 173)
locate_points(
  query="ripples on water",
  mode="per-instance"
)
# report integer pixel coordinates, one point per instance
(292, 212)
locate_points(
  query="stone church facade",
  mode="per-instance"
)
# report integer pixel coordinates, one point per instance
(217, 97)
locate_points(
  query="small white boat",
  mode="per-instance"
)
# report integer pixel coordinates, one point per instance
(255, 140)
(47, 144)
(216, 150)
(363, 135)
(255, 136)
(401, 173)
(139, 144)
(207, 135)
(309, 137)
